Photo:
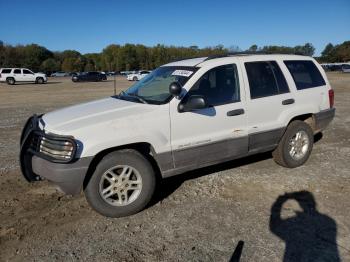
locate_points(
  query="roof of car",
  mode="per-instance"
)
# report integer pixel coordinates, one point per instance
(199, 60)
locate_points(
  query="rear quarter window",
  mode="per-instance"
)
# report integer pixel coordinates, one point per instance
(305, 74)
(6, 71)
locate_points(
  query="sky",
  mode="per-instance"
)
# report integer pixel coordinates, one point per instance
(89, 26)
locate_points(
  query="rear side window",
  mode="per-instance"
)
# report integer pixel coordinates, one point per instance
(265, 79)
(6, 71)
(17, 71)
(305, 74)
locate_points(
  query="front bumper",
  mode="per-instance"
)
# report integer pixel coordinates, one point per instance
(69, 177)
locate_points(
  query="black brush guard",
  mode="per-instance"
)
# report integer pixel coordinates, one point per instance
(25, 155)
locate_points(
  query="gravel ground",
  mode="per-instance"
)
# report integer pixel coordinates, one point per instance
(197, 216)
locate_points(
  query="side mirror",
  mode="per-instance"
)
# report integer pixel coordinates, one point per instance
(175, 89)
(193, 103)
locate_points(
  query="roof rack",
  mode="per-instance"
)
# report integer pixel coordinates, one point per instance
(250, 53)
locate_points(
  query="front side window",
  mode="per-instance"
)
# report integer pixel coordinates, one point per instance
(154, 87)
(218, 86)
(305, 74)
(265, 79)
(25, 71)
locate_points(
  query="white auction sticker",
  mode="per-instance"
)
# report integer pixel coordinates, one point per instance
(185, 73)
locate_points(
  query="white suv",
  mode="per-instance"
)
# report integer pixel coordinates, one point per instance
(184, 115)
(137, 76)
(13, 75)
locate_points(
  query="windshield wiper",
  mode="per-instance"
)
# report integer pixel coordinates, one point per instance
(123, 93)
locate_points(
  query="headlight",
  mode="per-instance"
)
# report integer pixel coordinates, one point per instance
(53, 147)
(58, 149)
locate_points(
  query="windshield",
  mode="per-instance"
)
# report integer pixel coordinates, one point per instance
(154, 87)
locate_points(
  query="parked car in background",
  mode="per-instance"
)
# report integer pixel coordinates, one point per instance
(125, 73)
(60, 74)
(103, 75)
(89, 76)
(137, 75)
(13, 75)
(346, 68)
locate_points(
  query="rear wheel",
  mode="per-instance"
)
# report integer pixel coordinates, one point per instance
(295, 146)
(122, 184)
(135, 78)
(10, 81)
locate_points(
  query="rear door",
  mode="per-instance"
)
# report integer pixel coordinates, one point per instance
(216, 133)
(17, 73)
(268, 99)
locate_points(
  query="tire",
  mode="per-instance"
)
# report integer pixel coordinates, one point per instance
(123, 198)
(295, 146)
(134, 78)
(39, 80)
(10, 81)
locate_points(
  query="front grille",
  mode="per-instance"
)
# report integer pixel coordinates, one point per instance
(35, 142)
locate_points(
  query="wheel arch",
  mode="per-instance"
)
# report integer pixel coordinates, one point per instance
(144, 148)
(308, 118)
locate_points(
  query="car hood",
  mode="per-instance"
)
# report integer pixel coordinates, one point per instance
(67, 120)
(39, 74)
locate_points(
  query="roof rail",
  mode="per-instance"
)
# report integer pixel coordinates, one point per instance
(251, 53)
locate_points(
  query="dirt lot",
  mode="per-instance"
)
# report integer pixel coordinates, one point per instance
(198, 216)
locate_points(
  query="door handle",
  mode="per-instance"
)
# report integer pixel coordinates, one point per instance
(288, 101)
(235, 112)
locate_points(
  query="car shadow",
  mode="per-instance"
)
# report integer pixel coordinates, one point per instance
(308, 235)
(167, 186)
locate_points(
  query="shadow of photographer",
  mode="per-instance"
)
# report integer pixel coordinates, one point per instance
(309, 235)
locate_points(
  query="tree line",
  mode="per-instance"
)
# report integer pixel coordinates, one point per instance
(136, 56)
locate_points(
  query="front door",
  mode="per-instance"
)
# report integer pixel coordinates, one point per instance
(218, 132)
(27, 75)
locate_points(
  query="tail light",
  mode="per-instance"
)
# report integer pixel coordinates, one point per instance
(331, 97)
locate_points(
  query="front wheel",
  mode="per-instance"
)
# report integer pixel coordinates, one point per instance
(135, 78)
(39, 80)
(122, 184)
(295, 146)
